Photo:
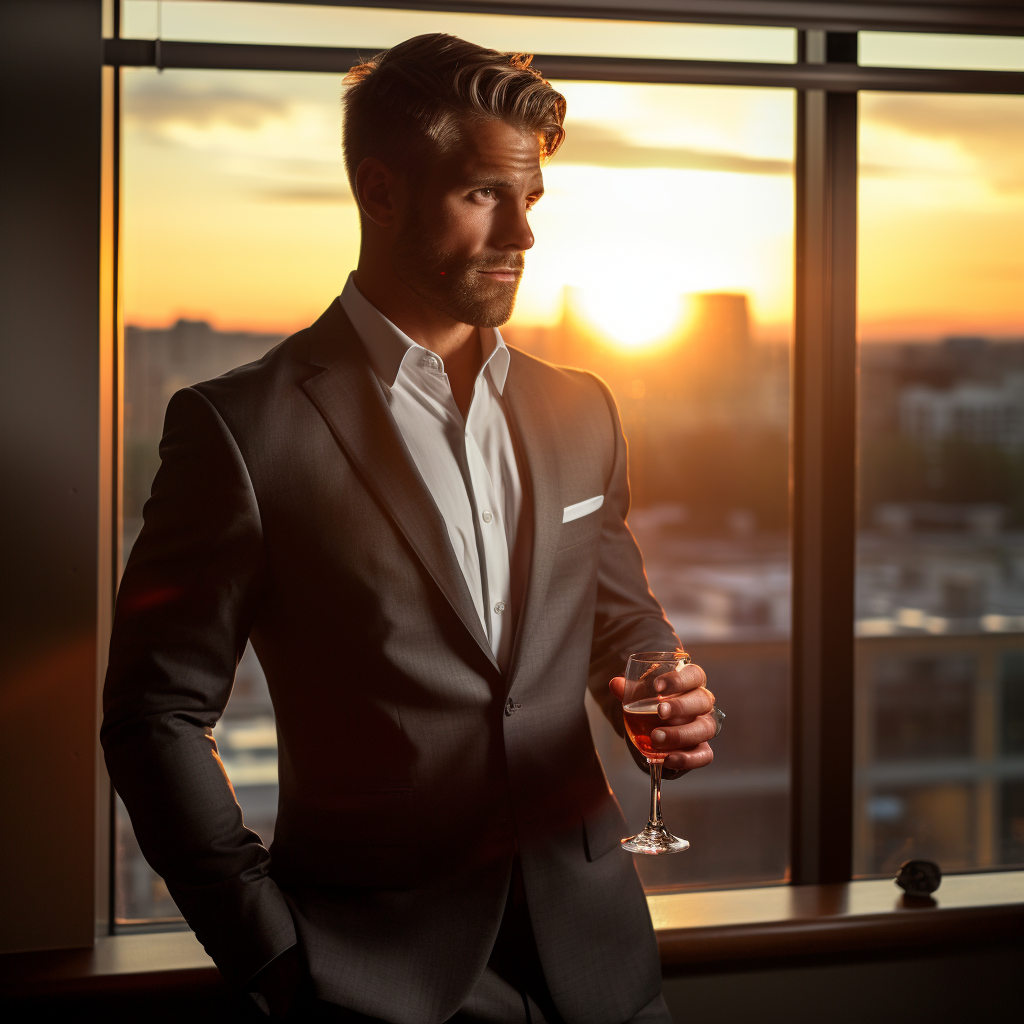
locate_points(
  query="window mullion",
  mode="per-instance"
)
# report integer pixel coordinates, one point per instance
(824, 479)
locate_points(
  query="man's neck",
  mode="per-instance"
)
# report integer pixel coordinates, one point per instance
(457, 344)
(423, 323)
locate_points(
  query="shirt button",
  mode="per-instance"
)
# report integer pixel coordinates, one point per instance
(499, 607)
(433, 362)
(486, 515)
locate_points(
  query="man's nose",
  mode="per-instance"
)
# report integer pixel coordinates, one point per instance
(515, 231)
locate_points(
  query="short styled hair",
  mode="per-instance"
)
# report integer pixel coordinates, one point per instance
(422, 93)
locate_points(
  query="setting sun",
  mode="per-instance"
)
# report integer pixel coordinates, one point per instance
(627, 318)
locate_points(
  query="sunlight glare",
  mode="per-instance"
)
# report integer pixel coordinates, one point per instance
(627, 318)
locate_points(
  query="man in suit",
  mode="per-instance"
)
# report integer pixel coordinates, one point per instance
(423, 534)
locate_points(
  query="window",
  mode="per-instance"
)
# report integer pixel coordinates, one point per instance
(680, 297)
(935, 50)
(940, 574)
(238, 229)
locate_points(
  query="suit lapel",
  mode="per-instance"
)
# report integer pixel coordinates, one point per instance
(350, 398)
(535, 424)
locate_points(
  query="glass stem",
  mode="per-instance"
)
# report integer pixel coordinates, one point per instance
(654, 819)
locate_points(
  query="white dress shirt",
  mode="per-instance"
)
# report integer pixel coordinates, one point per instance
(469, 466)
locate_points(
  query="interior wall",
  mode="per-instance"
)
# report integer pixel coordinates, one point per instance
(938, 988)
(50, 93)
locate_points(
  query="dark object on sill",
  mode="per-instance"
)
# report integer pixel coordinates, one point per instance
(919, 879)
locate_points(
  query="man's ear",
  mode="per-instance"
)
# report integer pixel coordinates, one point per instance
(376, 191)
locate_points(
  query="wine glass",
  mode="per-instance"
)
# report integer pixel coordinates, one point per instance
(649, 681)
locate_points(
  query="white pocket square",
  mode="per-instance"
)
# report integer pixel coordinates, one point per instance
(582, 508)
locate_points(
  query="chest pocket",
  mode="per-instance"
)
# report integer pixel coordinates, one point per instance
(584, 522)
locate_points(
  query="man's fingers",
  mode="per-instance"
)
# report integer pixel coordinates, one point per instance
(689, 677)
(617, 686)
(700, 757)
(684, 737)
(675, 709)
(694, 676)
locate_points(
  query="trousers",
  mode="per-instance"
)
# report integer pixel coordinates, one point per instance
(511, 990)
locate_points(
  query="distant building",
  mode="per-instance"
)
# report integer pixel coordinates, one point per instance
(888, 371)
(982, 413)
(160, 361)
(708, 370)
(982, 519)
(720, 324)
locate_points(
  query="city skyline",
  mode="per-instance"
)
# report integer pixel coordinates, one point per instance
(939, 604)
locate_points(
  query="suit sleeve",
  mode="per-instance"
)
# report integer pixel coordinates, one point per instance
(628, 616)
(184, 611)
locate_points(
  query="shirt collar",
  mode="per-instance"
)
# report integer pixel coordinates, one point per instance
(390, 348)
(496, 357)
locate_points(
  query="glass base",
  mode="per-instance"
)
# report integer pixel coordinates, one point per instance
(655, 840)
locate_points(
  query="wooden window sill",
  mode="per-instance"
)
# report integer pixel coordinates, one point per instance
(700, 929)
(696, 931)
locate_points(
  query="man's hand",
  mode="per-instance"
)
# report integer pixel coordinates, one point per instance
(687, 723)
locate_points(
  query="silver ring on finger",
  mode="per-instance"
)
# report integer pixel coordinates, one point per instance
(719, 716)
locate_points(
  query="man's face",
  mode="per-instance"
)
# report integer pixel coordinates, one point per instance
(464, 231)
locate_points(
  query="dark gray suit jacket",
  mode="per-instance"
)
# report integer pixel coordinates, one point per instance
(287, 510)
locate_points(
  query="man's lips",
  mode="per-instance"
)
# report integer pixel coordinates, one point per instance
(502, 274)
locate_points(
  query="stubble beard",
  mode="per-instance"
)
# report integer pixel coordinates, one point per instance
(455, 285)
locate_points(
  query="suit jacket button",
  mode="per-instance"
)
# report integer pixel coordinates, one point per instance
(511, 707)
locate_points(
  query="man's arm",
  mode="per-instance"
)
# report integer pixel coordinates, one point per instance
(629, 619)
(184, 611)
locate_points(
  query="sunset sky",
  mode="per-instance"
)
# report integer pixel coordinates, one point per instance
(237, 211)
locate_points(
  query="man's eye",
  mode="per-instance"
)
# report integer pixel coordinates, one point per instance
(485, 193)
